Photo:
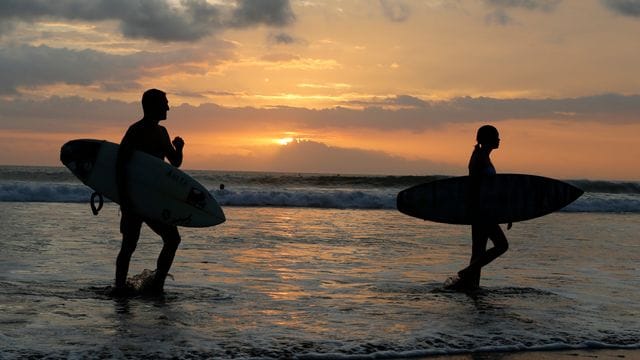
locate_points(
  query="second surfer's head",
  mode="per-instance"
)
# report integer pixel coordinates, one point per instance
(488, 137)
(155, 104)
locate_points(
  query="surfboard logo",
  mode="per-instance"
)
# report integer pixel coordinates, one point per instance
(197, 198)
(175, 176)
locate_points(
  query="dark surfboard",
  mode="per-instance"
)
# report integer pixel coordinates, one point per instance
(501, 199)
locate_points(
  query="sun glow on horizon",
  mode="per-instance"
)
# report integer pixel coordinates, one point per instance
(283, 141)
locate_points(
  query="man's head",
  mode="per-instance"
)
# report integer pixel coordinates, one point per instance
(155, 104)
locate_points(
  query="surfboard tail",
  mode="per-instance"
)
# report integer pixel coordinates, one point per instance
(79, 156)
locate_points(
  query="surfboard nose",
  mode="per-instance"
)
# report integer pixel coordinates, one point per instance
(220, 217)
(402, 201)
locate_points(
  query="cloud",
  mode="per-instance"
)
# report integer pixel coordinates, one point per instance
(6, 26)
(32, 66)
(28, 66)
(398, 101)
(541, 5)
(279, 57)
(623, 7)
(264, 12)
(77, 113)
(157, 20)
(68, 114)
(500, 15)
(305, 156)
(312, 156)
(283, 38)
(395, 10)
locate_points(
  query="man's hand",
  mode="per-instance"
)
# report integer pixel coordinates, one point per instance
(178, 143)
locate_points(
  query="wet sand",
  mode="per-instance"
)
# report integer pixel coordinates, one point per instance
(607, 354)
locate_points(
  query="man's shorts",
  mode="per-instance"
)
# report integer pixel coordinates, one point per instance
(130, 224)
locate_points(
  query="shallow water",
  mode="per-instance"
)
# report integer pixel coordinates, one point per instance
(300, 283)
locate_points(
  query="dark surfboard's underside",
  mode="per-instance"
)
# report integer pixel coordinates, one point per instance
(500, 199)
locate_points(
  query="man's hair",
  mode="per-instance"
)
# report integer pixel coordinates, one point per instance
(151, 99)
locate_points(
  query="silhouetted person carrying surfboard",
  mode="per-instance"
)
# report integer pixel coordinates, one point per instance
(147, 136)
(480, 167)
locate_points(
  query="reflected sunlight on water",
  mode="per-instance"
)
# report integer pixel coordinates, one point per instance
(294, 282)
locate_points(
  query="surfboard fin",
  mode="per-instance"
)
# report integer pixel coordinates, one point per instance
(96, 209)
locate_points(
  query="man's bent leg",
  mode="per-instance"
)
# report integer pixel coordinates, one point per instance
(171, 239)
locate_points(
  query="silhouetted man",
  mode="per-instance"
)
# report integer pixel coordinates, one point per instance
(148, 136)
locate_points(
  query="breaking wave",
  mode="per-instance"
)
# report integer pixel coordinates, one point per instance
(329, 198)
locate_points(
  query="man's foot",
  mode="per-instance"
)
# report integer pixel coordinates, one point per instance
(451, 282)
(152, 288)
(122, 291)
(460, 284)
(148, 283)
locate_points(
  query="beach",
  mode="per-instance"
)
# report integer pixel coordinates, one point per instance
(549, 355)
(314, 281)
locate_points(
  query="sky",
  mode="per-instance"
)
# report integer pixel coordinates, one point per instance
(331, 86)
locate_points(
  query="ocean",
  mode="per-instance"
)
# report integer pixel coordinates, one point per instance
(312, 266)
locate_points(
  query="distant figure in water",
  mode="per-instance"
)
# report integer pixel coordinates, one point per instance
(148, 136)
(480, 166)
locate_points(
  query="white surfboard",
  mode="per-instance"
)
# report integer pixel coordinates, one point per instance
(158, 190)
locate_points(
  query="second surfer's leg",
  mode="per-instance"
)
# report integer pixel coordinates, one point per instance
(471, 274)
(482, 256)
(500, 244)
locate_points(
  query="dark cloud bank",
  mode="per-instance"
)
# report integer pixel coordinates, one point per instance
(78, 115)
(153, 19)
(542, 5)
(25, 66)
(315, 157)
(311, 156)
(624, 7)
(395, 10)
(500, 14)
(404, 113)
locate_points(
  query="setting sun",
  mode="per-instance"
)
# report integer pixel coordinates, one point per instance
(283, 141)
